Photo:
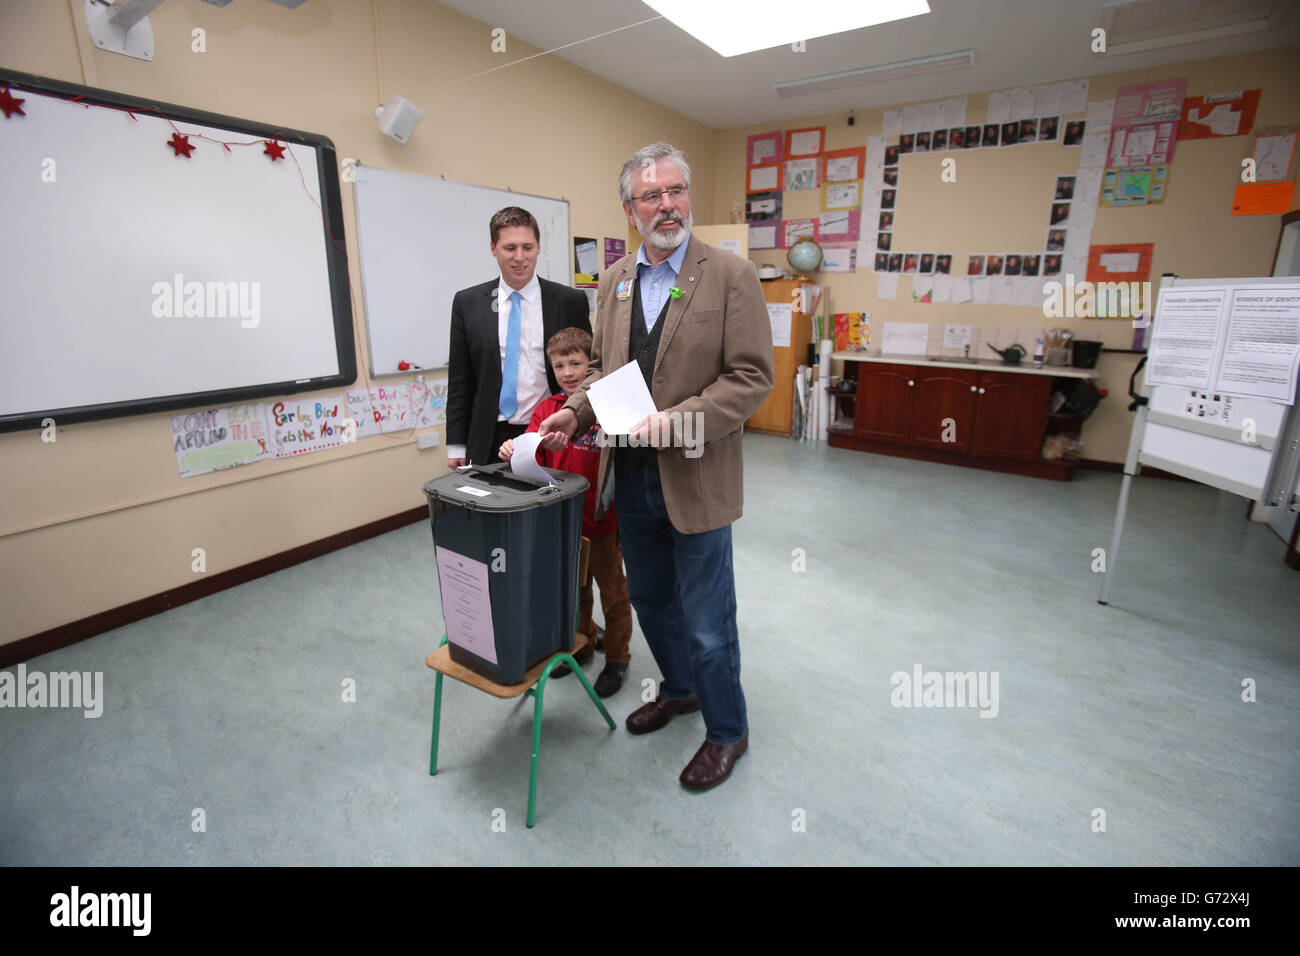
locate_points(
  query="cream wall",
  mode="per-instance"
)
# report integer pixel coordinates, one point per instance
(1001, 201)
(100, 517)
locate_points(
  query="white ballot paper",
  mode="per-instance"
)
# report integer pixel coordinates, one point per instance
(620, 399)
(524, 460)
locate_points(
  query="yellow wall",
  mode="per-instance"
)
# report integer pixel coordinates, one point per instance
(1001, 200)
(101, 518)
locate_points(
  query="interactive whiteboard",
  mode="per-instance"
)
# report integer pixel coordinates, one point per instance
(137, 278)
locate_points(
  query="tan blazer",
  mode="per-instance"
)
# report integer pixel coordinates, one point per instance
(715, 357)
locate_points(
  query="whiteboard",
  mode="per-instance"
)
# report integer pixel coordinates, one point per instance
(422, 240)
(137, 280)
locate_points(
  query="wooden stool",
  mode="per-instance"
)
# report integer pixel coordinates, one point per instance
(441, 662)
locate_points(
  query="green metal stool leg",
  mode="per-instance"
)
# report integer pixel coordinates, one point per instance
(536, 693)
(594, 698)
(437, 714)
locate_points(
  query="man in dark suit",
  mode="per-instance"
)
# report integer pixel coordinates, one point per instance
(497, 370)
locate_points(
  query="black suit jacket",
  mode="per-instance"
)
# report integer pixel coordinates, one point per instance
(474, 359)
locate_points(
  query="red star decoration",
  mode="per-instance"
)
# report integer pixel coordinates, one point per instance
(181, 144)
(274, 150)
(9, 103)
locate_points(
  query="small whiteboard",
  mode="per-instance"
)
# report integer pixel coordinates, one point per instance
(422, 240)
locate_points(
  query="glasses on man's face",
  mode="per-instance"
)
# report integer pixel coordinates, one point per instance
(652, 197)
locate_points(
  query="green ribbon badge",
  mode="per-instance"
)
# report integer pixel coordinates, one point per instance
(675, 292)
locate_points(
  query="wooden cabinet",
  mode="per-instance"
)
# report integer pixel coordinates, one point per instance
(984, 419)
(943, 408)
(884, 405)
(1012, 415)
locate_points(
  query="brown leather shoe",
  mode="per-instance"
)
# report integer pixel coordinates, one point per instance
(712, 764)
(657, 713)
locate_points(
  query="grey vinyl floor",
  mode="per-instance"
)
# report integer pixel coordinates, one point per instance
(1118, 735)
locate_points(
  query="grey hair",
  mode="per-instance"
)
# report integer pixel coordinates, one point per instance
(648, 156)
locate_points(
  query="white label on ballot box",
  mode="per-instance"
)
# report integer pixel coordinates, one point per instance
(466, 605)
(480, 492)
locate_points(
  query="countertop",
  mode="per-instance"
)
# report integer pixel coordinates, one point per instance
(1026, 367)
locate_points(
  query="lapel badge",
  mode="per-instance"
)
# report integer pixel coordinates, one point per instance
(624, 290)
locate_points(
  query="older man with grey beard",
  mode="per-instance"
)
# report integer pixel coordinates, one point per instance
(694, 320)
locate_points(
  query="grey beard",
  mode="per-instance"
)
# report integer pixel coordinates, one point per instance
(660, 241)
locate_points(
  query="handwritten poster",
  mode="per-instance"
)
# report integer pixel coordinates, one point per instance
(219, 438)
(384, 408)
(301, 426)
(429, 403)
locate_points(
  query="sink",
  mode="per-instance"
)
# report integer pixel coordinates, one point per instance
(953, 358)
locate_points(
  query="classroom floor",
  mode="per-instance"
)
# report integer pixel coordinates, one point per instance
(233, 704)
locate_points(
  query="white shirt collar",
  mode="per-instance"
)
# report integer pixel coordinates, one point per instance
(531, 293)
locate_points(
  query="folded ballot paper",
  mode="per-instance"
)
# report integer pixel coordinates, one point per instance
(621, 399)
(524, 460)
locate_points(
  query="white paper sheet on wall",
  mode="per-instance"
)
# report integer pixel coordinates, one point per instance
(999, 110)
(905, 338)
(1093, 150)
(1099, 115)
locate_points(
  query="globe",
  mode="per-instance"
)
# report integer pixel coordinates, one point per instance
(805, 255)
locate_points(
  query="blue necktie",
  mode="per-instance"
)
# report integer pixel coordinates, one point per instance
(510, 367)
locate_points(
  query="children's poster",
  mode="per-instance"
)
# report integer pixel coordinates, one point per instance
(1145, 126)
(852, 331)
(764, 148)
(303, 425)
(839, 225)
(429, 402)
(845, 165)
(1216, 115)
(384, 408)
(219, 438)
(792, 230)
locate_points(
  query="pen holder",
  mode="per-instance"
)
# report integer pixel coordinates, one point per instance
(1058, 356)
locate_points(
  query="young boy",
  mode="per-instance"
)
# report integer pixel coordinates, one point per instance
(569, 351)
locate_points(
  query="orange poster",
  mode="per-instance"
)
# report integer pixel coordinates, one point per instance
(1218, 114)
(1120, 262)
(1256, 199)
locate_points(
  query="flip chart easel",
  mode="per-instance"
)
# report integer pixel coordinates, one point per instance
(1206, 437)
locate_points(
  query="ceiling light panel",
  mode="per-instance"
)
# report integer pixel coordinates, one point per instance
(733, 27)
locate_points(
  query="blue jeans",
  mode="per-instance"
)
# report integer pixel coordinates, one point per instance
(682, 587)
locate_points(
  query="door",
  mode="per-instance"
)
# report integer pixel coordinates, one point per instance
(884, 411)
(943, 408)
(1011, 415)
